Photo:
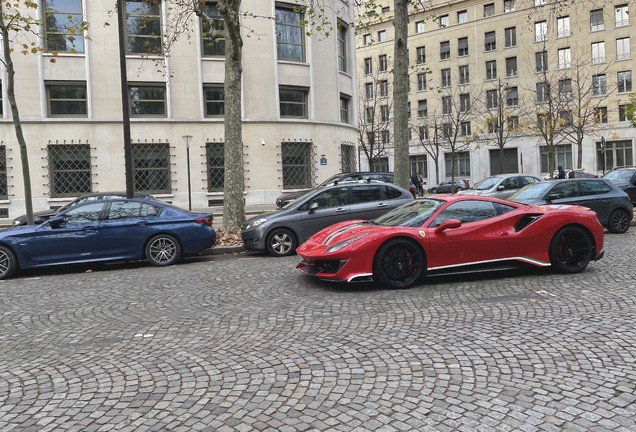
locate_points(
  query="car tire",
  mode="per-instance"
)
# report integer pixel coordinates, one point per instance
(433, 190)
(459, 189)
(281, 242)
(163, 250)
(571, 250)
(8, 262)
(398, 264)
(618, 222)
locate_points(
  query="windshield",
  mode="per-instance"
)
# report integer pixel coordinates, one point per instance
(413, 214)
(620, 176)
(486, 183)
(531, 191)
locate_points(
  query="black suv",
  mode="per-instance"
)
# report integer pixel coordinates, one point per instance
(288, 197)
(625, 179)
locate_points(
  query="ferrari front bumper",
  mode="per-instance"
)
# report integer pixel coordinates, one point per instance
(599, 256)
(326, 269)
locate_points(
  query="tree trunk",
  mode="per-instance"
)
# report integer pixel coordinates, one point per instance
(400, 94)
(17, 123)
(233, 199)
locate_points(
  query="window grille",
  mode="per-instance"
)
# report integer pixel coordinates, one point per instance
(151, 168)
(298, 161)
(69, 169)
(4, 187)
(347, 158)
(215, 159)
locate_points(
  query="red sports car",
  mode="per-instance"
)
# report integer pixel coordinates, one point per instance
(453, 234)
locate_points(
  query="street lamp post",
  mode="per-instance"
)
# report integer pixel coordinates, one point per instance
(186, 139)
(603, 153)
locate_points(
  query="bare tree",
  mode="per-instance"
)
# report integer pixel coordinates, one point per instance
(458, 118)
(427, 127)
(375, 108)
(589, 92)
(500, 124)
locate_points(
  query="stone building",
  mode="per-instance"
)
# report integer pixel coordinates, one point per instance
(298, 123)
(477, 56)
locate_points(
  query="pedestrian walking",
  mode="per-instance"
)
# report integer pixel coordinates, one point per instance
(561, 174)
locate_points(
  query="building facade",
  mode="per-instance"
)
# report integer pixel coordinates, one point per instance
(298, 123)
(473, 62)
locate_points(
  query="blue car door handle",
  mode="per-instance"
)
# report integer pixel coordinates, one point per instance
(341, 209)
(142, 223)
(382, 205)
(88, 228)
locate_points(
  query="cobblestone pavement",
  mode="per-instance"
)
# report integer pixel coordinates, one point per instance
(244, 342)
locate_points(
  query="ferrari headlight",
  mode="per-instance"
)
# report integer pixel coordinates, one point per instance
(255, 223)
(342, 244)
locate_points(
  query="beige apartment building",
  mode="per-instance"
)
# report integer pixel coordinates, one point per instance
(298, 123)
(475, 56)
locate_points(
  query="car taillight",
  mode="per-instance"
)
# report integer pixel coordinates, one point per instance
(204, 220)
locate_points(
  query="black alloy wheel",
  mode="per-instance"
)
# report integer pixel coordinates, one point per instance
(398, 264)
(433, 190)
(571, 250)
(618, 222)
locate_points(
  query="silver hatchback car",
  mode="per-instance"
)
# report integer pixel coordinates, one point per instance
(281, 231)
(501, 186)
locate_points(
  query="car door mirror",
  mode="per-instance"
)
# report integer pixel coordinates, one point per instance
(449, 224)
(313, 206)
(501, 187)
(56, 222)
(552, 196)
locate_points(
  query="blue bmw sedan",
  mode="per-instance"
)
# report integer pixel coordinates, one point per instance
(107, 230)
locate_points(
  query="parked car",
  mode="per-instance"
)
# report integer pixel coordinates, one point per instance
(107, 230)
(288, 197)
(453, 234)
(44, 215)
(625, 179)
(445, 186)
(578, 173)
(501, 185)
(281, 231)
(611, 204)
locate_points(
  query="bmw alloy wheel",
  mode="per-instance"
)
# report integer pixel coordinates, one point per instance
(163, 250)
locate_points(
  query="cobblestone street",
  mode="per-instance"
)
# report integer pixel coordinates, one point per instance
(245, 342)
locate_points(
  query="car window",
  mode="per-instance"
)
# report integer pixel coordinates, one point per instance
(328, 199)
(529, 180)
(511, 183)
(363, 194)
(84, 214)
(588, 187)
(466, 212)
(619, 176)
(391, 192)
(128, 210)
(565, 190)
(503, 208)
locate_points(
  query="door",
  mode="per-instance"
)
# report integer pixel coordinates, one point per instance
(124, 230)
(486, 228)
(510, 186)
(332, 208)
(365, 202)
(563, 192)
(75, 239)
(594, 194)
